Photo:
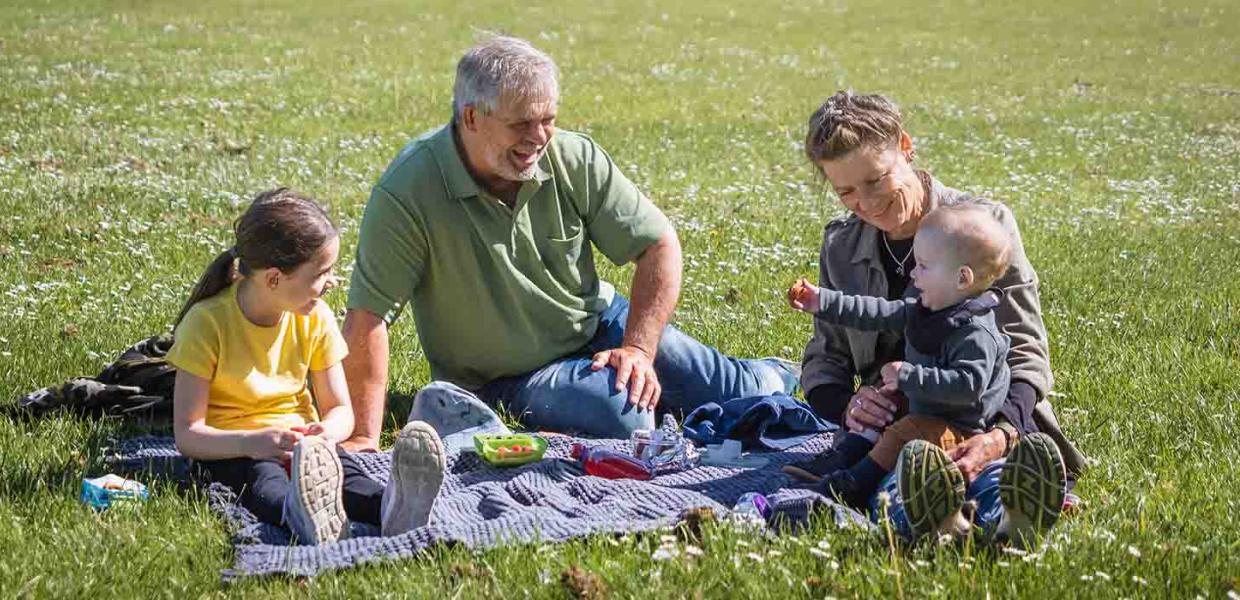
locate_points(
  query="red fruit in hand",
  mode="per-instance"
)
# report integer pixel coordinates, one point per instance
(800, 291)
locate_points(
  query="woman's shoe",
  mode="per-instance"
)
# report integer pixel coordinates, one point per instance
(1032, 487)
(932, 489)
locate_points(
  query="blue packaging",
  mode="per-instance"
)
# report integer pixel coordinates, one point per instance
(101, 492)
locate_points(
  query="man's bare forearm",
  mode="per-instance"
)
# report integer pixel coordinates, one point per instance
(366, 368)
(655, 290)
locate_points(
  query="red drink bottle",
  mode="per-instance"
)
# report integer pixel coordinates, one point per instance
(609, 464)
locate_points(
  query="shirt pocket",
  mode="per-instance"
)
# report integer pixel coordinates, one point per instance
(563, 256)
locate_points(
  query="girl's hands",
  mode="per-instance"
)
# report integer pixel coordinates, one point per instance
(309, 429)
(803, 296)
(273, 442)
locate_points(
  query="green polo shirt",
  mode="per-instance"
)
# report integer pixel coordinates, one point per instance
(497, 291)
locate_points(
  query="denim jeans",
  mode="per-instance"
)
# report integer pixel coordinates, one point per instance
(984, 490)
(567, 396)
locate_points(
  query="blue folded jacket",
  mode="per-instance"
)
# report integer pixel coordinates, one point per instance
(774, 422)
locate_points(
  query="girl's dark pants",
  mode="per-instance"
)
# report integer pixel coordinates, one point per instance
(263, 484)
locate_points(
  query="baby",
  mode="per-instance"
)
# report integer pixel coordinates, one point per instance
(954, 373)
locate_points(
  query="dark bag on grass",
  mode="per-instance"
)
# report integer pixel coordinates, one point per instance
(138, 385)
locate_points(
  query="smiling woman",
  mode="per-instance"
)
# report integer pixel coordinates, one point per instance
(859, 145)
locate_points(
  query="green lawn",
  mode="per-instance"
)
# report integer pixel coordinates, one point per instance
(132, 132)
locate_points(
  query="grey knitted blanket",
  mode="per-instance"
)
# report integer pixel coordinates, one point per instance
(481, 506)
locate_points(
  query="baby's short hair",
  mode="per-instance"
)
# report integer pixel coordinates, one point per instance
(976, 237)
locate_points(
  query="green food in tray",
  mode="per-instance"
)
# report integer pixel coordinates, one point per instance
(510, 450)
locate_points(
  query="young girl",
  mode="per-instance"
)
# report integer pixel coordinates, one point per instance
(250, 334)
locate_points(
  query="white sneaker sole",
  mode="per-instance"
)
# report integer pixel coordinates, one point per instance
(317, 480)
(417, 474)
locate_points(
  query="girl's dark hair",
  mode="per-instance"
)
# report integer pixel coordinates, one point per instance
(281, 229)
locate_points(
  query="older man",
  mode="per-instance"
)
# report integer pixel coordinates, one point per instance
(485, 228)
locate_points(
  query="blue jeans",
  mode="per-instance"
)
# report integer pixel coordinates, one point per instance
(568, 396)
(984, 490)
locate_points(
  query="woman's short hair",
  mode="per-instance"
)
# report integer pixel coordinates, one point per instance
(848, 121)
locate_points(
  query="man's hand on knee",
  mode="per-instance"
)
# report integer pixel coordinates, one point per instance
(635, 371)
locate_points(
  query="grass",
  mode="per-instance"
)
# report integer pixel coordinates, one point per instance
(131, 132)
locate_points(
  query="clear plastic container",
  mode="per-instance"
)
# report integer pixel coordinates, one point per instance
(665, 448)
(654, 446)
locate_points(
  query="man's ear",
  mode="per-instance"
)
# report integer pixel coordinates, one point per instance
(271, 277)
(469, 118)
(965, 278)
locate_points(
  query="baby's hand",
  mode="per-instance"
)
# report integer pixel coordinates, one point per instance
(891, 374)
(803, 296)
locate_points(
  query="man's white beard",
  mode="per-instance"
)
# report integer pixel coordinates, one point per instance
(527, 174)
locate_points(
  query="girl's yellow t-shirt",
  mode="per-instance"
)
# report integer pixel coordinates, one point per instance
(258, 374)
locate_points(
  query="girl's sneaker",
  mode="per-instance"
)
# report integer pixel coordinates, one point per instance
(932, 489)
(1032, 487)
(313, 508)
(417, 473)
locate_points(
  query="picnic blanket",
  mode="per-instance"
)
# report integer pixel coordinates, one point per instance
(482, 506)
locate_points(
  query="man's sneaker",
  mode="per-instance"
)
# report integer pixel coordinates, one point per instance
(789, 373)
(417, 474)
(1032, 487)
(455, 413)
(313, 508)
(932, 489)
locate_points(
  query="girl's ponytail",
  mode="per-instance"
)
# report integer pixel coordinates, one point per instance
(219, 275)
(281, 229)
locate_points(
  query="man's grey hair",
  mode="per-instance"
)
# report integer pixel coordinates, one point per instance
(499, 67)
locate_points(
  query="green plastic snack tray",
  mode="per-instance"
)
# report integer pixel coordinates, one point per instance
(488, 446)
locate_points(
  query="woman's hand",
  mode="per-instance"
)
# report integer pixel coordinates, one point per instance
(870, 409)
(273, 442)
(973, 454)
(803, 296)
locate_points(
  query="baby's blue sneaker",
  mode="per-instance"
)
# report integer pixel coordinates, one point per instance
(313, 507)
(455, 414)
